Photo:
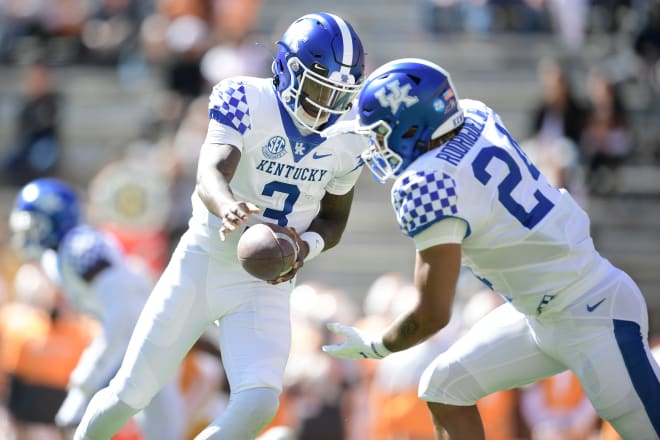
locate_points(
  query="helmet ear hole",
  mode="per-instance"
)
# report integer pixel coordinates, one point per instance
(410, 132)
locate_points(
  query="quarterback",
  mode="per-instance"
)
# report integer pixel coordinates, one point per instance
(467, 195)
(94, 274)
(263, 160)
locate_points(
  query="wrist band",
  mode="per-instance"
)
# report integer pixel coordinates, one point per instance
(315, 242)
(379, 349)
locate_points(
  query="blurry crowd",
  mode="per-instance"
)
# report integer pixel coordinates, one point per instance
(578, 139)
(593, 116)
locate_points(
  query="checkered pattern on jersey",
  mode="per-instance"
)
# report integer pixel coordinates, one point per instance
(228, 105)
(84, 249)
(422, 198)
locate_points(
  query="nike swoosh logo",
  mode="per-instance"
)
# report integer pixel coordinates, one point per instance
(320, 156)
(592, 308)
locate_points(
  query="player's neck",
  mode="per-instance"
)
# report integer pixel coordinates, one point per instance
(435, 143)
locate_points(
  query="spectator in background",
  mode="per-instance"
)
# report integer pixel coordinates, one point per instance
(647, 47)
(39, 27)
(234, 19)
(41, 340)
(606, 141)
(559, 113)
(557, 408)
(111, 30)
(557, 123)
(37, 149)
(570, 20)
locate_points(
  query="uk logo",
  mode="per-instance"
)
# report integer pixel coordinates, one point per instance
(299, 149)
(275, 148)
(397, 95)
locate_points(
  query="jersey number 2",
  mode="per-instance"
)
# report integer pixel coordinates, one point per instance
(530, 218)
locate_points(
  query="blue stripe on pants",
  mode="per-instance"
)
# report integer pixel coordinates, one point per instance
(629, 338)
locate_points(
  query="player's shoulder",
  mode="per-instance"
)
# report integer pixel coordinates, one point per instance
(422, 196)
(422, 180)
(235, 101)
(248, 89)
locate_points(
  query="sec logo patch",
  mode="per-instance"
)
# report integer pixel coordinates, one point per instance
(275, 148)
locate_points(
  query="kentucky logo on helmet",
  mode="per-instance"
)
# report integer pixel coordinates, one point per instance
(398, 95)
(275, 148)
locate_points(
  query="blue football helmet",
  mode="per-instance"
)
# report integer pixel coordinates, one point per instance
(319, 69)
(404, 104)
(44, 211)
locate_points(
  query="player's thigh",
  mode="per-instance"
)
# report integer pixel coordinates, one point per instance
(498, 352)
(608, 350)
(255, 339)
(173, 318)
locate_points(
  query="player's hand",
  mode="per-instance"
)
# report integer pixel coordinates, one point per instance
(356, 345)
(302, 249)
(235, 215)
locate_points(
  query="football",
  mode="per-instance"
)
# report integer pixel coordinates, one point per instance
(266, 251)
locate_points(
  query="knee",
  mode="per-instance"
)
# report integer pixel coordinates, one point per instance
(450, 383)
(263, 403)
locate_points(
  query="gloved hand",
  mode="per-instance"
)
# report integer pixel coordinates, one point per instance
(357, 345)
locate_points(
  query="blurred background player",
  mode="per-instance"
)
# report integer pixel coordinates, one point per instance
(263, 160)
(47, 225)
(467, 194)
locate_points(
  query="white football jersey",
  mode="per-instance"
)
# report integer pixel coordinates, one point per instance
(115, 296)
(283, 172)
(81, 250)
(525, 239)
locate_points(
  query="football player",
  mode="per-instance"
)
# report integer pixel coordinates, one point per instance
(467, 195)
(263, 160)
(89, 267)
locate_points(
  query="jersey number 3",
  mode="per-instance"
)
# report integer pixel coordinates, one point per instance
(543, 205)
(292, 193)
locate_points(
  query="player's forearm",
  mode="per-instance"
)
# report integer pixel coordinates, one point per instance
(332, 218)
(216, 168)
(409, 330)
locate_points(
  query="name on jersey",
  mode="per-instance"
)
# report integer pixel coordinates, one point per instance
(458, 147)
(291, 172)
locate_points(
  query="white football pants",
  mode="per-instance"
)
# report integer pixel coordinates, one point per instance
(601, 337)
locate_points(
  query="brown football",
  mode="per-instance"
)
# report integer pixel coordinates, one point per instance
(266, 250)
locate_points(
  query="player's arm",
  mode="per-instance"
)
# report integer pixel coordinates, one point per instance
(216, 167)
(436, 275)
(437, 268)
(332, 218)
